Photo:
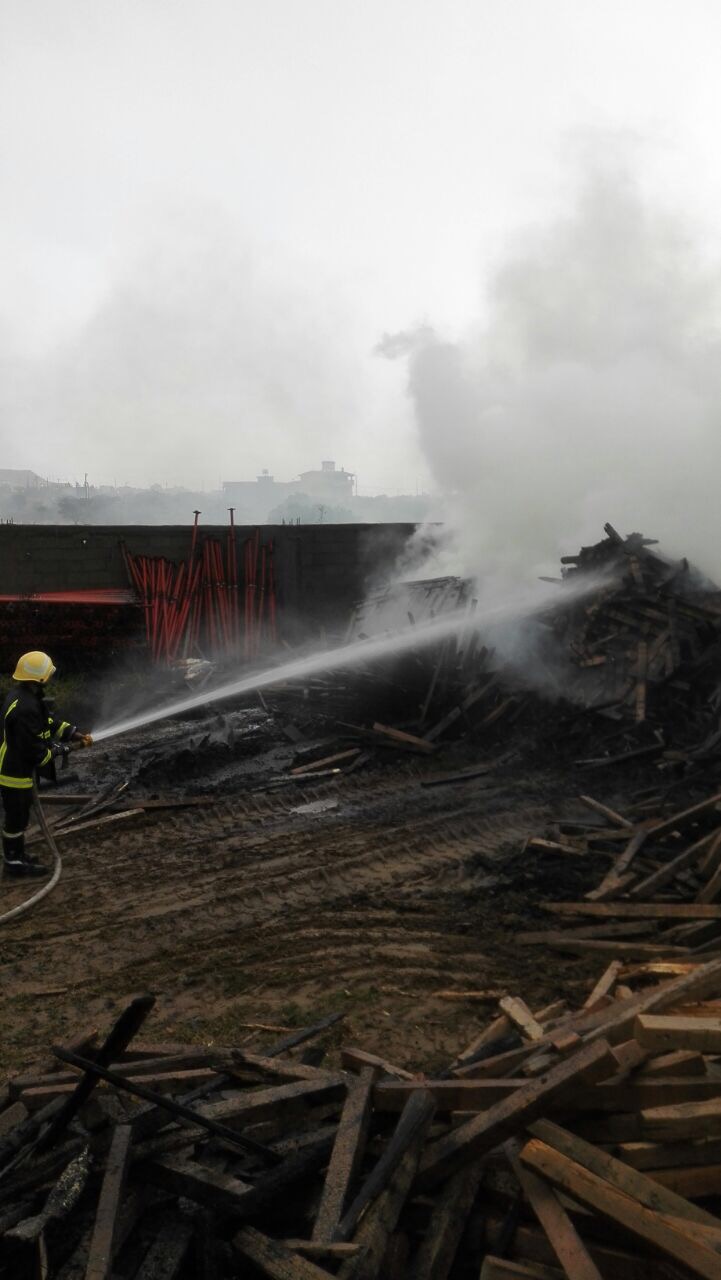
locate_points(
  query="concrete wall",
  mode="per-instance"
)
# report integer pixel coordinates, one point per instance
(321, 570)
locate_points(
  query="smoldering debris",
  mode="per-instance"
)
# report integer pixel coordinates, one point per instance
(633, 659)
(623, 663)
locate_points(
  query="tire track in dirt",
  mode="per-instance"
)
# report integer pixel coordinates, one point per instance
(250, 905)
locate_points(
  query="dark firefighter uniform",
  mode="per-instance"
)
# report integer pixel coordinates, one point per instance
(31, 737)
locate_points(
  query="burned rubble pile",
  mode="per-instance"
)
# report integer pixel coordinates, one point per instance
(574, 1142)
(627, 663)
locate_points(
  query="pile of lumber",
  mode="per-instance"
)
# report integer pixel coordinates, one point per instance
(657, 899)
(643, 644)
(633, 639)
(580, 1143)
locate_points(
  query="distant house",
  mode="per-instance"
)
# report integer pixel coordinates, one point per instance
(255, 498)
(19, 479)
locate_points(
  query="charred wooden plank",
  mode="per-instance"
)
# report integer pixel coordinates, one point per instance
(384, 1208)
(567, 1244)
(257, 1104)
(504, 1119)
(664, 1032)
(102, 1247)
(301, 1036)
(273, 1259)
(637, 910)
(177, 1109)
(617, 1174)
(414, 1120)
(650, 885)
(693, 1247)
(168, 1251)
(358, 1059)
(347, 1155)
(443, 1234)
(115, 1043)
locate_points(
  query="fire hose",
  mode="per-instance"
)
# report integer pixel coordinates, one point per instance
(52, 846)
(57, 870)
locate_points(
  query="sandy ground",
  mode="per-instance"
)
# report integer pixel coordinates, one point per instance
(367, 895)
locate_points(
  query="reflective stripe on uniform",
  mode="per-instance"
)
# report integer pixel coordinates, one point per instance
(65, 725)
(9, 780)
(4, 747)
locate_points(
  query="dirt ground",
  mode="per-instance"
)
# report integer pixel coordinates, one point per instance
(258, 909)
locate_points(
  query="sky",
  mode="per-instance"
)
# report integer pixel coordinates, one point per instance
(213, 210)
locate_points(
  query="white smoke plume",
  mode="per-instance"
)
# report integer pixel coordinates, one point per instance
(589, 391)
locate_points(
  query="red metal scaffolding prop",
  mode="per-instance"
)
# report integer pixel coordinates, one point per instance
(193, 608)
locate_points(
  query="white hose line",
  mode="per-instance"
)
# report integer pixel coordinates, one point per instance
(47, 888)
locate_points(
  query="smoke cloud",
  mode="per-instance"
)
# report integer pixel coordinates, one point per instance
(589, 391)
(208, 357)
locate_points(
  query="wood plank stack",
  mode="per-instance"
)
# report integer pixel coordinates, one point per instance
(580, 1143)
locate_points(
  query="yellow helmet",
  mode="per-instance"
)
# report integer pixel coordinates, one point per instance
(34, 666)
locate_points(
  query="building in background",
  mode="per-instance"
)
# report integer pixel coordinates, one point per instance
(20, 479)
(327, 487)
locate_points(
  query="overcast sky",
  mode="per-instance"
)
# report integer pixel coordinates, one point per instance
(212, 210)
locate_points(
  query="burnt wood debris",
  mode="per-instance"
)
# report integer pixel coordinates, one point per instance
(579, 1140)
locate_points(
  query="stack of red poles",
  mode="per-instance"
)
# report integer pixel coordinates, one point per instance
(260, 605)
(193, 608)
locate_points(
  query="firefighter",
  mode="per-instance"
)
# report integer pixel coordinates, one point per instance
(32, 738)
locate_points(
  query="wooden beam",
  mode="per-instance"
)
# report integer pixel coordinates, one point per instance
(443, 1234)
(504, 1119)
(637, 910)
(712, 888)
(518, 1012)
(691, 1246)
(667, 1155)
(177, 1109)
(680, 820)
(166, 1254)
(560, 941)
(682, 1120)
(618, 875)
(616, 1023)
(273, 1259)
(102, 1246)
(680, 1062)
(257, 1104)
(692, 1182)
(381, 1217)
(565, 1241)
(532, 1245)
(358, 1059)
(418, 1108)
(117, 1040)
(662, 1032)
(616, 819)
(650, 885)
(617, 1174)
(347, 1155)
(494, 1268)
(603, 986)
(401, 739)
